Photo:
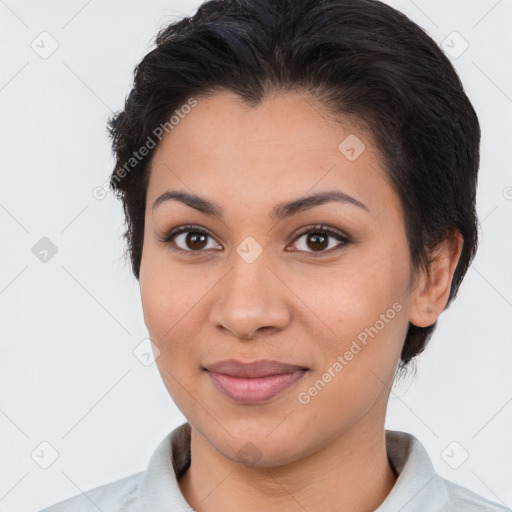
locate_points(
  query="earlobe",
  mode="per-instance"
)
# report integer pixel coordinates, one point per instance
(433, 289)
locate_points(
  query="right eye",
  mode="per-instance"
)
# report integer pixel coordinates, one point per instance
(190, 239)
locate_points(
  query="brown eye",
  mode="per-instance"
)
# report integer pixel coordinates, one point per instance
(196, 240)
(320, 240)
(189, 239)
(317, 241)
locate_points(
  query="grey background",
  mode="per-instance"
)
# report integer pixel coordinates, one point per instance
(69, 326)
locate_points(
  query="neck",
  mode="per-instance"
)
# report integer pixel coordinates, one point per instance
(350, 474)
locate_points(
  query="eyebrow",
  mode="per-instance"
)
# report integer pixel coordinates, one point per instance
(280, 212)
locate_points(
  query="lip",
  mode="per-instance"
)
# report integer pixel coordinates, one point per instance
(253, 382)
(255, 369)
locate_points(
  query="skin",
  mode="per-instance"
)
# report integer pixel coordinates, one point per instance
(286, 305)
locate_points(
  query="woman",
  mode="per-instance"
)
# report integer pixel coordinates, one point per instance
(298, 179)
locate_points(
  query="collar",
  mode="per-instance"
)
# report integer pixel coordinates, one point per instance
(417, 487)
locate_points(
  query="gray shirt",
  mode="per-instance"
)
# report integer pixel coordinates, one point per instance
(417, 489)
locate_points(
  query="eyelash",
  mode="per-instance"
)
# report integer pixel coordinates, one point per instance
(317, 229)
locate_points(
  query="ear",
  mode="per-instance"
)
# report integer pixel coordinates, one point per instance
(432, 291)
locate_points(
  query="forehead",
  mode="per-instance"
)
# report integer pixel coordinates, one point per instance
(287, 145)
(224, 119)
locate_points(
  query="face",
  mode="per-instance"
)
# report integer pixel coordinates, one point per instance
(324, 286)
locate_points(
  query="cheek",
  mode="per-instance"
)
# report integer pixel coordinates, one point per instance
(170, 303)
(368, 318)
(175, 304)
(353, 297)
(165, 295)
(169, 311)
(364, 303)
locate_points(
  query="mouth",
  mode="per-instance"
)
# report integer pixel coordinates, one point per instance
(254, 382)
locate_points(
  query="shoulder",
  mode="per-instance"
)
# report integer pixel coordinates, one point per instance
(462, 499)
(153, 489)
(420, 487)
(117, 496)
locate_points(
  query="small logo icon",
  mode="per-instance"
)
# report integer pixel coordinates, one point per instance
(352, 147)
(249, 250)
(146, 352)
(44, 250)
(249, 454)
(45, 45)
(44, 455)
(455, 455)
(454, 45)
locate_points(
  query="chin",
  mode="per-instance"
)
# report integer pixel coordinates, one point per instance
(258, 442)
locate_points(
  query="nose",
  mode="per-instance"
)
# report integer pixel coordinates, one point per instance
(251, 298)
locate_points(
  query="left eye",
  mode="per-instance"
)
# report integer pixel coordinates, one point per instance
(194, 240)
(318, 237)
